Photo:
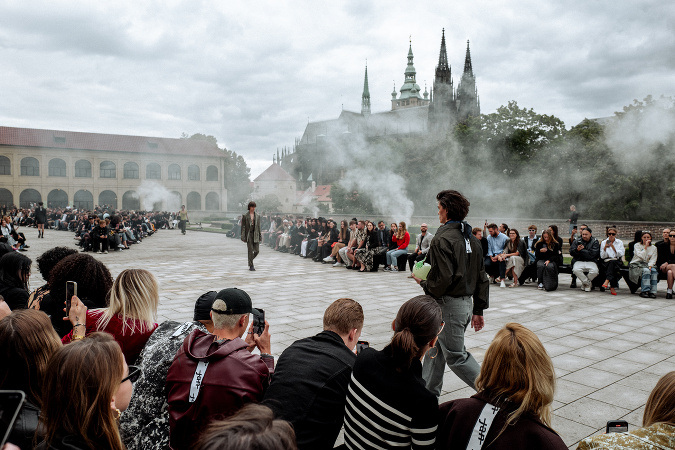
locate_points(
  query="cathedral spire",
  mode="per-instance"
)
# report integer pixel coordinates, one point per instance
(443, 55)
(365, 97)
(467, 61)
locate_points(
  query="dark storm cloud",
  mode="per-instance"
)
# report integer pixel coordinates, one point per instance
(253, 73)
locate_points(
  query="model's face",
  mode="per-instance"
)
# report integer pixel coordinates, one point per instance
(442, 214)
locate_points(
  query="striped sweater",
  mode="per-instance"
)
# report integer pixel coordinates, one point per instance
(387, 409)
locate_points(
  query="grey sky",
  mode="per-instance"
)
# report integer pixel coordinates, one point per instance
(252, 73)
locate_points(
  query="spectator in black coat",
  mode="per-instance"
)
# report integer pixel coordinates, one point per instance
(14, 275)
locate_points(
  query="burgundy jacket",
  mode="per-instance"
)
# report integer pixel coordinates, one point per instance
(457, 419)
(211, 379)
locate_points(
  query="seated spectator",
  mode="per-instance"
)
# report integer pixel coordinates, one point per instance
(145, 424)
(585, 252)
(359, 242)
(342, 239)
(402, 240)
(611, 255)
(504, 229)
(329, 239)
(637, 237)
(298, 233)
(312, 396)
(556, 236)
(27, 341)
(86, 417)
(666, 262)
(515, 255)
(234, 377)
(658, 423)
(93, 284)
(342, 256)
(383, 237)
(253, 427)
(512, 407)
(14, 276)
(100, 237)
(666, 236)
(546, 255)
(642, 269)
(493, 266)
(422, 243)
(483, 240)
(530, 240)
(46, 263)
(312, 236)
(388, 405)
(364, 255)
(130, 315)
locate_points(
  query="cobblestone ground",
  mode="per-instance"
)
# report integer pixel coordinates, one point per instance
(608, 351)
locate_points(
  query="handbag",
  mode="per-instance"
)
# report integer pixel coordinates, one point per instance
(635, 271)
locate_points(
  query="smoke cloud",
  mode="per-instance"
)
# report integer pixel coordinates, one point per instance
(151, 192)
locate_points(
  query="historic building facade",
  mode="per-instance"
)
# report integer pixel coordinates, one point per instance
(65, 168)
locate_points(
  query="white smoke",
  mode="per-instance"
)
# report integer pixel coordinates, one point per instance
(151, 192)
(385, 190)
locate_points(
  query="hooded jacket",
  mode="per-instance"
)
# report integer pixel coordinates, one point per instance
(211, 379)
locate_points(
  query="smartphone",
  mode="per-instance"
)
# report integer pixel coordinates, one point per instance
(360, 345)
(617, 426)
(259, 322)
(71, 290)
(10, 405)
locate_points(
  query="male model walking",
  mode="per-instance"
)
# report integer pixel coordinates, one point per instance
(250, 233)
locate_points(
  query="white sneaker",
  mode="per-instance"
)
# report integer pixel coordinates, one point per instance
(328, 259)
(338, 264)
(394, 269)
(587, 288)
(541, 286)
(99, 251)
(105, 251)
(502, 284)
(583, 286)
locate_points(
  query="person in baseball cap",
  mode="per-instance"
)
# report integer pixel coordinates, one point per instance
(233, 301)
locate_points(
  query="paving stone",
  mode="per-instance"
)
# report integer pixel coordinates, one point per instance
(591, 412)
(593, 377)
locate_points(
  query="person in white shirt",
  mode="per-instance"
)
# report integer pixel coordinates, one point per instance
(611, 255)
(642, 269)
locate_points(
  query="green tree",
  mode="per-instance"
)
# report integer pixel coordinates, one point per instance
(268, 204)
(350, 201)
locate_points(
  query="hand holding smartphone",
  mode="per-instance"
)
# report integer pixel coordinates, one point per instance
(361, 345)
(259, 322)
(71, 290)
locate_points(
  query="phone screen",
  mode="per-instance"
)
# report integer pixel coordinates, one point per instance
(360, 345)
(259, 322)
(71, 290)
(617, 426)
(10, 405)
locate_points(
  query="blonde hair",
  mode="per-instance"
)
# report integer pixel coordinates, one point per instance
(224, 321)
(400, 234)
(660, 407)
(134, 295)
(516, 368)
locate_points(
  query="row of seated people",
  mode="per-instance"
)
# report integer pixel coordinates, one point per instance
(199, 385)
(540, 257)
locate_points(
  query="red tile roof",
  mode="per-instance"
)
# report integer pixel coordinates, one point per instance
(274, 173)
(57, 139)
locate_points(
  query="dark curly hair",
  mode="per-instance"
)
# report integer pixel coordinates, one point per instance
(454, 203)
(92, 277)
(50, 258)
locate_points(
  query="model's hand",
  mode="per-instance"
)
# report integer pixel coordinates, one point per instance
(417, 280)
(477, 322)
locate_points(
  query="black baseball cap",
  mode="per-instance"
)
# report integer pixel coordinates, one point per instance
(203, 305)
(237, 301)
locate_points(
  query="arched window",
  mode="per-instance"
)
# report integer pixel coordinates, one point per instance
(194, 201)
(58, 198)
(83, 169)
(174, 202)
(130, 200)
(131, 170)
(29, 198)
(212, 173)
(174, 172)
(193, 173)
(107, 198)
(5, 166)
(6, 198)
(153, 171)
(30, 167)
(57, 168)
(83, 200)
(212, 201)
(108, 169)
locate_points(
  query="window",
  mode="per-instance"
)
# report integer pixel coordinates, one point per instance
(212, 201)
(83, 200)
(174, 172)
(83, 169)
(194, 201)
(153, 171)
(57, 168)
(108, 169)
(29, 198)
(131, 201)
(5, 166)
(212, 173)
(193, 173)
(57, 199)
(131, 170)
(30, 167)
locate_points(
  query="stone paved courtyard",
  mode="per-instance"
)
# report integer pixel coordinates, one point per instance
(608, 351)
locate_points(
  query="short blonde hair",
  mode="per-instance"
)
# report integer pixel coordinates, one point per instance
(134, 295)
(223, 321)
(517, 367)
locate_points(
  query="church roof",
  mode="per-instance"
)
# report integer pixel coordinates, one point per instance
(274, 173)
(58, 139)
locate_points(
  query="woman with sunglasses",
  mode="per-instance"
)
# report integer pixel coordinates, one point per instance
(388, 405)
(611, 254)
(666, 261)
(87, 386)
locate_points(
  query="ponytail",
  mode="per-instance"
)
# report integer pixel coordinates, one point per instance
(404, 349)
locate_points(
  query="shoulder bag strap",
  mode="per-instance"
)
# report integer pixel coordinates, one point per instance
(482, 426)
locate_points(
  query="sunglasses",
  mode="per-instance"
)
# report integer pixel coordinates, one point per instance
(671, 235)
(134, 373)
(611, 234)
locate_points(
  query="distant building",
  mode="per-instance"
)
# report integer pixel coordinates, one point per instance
(275, 181)
(68, 168)
(314, 197)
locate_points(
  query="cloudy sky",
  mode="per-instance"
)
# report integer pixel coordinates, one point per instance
(253, 73)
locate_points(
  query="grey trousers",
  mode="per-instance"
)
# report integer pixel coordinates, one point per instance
(457, 312)
(253, 250)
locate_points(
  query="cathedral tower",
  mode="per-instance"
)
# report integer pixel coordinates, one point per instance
(468, 103)
(410, 91)
(365, 97)
(442, 110)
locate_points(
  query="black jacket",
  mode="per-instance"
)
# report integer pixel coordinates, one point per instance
(309, 388)
(551, 253)
(383, 237)
(16, 297)
(68, 442)
(25, 426)
(590, 252)
(663, 254)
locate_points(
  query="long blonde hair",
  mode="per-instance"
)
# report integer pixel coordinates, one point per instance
(516, 368)
(400, 234)
(660, 407)
(134, 295)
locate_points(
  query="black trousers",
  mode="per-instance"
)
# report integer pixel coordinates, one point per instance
(414, 257)
(613, 272)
